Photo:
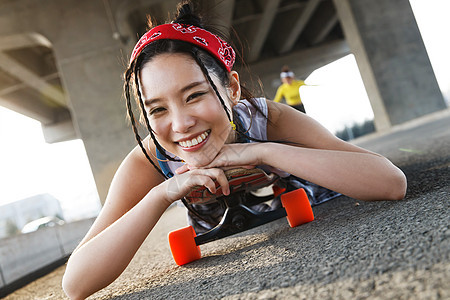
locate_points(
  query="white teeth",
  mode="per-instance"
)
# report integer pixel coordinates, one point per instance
(194, 141)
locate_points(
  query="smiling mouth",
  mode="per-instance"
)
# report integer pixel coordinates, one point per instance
(195, 141)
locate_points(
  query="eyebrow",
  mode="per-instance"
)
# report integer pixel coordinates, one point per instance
(192, 85)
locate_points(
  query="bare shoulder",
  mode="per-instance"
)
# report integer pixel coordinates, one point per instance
(288, 124)
(134, 178)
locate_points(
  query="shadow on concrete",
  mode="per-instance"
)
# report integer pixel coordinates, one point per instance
(349, 242)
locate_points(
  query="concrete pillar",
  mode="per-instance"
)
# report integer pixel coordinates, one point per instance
(90, 63)
(384, 37)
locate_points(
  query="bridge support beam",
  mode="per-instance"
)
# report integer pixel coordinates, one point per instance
(90, 63)
(397, 73)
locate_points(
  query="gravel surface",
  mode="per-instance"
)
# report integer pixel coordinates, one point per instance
(352, 250)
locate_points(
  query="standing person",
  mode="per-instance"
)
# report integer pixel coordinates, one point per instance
(290, 89)
(201, 120)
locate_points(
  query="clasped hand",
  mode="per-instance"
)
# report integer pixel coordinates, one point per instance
(229, 157)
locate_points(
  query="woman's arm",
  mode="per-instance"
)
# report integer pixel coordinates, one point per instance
(279, 94)
(135, 202)
(326, 160)
(360, 175)
(99, 261)
(102, 255)
(318, 156)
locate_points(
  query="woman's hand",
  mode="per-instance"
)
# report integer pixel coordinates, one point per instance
(233, 156)
(180, 185)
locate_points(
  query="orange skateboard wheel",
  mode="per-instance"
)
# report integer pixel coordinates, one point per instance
(297, 207)
(183, 247)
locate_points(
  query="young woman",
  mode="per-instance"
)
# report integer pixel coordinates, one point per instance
(201, 121)
(290, 89)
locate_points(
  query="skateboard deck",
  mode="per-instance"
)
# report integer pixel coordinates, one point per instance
(240, 180)
(239, 215)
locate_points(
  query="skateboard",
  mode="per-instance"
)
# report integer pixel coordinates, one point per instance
(239, 216)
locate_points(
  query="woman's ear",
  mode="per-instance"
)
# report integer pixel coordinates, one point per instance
(234, 90)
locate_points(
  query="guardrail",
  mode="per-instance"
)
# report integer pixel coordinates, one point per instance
(26, 254)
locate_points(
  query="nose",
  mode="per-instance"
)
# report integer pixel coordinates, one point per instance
(182, 121)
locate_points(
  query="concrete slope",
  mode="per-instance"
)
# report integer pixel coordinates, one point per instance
(353, 249)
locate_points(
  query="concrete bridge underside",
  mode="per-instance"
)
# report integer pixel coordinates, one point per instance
(61, 62)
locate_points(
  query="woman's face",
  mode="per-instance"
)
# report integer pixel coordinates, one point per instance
(287, 80)
(184, 112)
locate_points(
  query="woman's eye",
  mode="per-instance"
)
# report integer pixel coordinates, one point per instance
(156, 110)
(195, 95)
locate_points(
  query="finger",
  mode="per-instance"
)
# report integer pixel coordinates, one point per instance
(223, 182)
(209, 183)
(215, 175)
(184, 168)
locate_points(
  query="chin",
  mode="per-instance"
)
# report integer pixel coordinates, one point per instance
(198, 160)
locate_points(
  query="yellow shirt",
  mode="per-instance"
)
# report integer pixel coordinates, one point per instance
(290, 92)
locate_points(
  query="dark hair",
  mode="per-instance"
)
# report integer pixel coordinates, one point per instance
(207, 63)
(285, 68)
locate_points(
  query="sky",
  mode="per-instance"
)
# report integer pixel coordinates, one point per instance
(334, 100)
(29, 166)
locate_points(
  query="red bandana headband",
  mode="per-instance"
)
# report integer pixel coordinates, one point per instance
(191, 34)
